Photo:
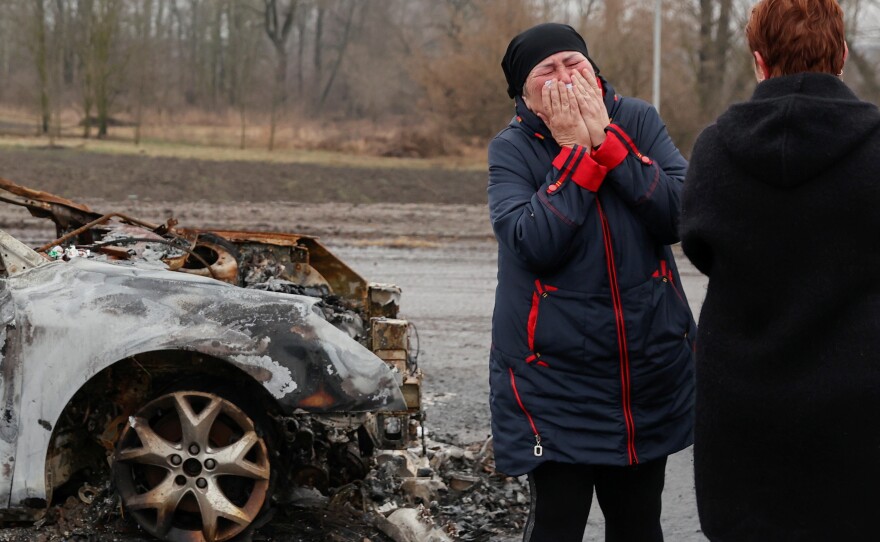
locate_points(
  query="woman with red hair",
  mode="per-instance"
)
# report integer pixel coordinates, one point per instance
(781, 209)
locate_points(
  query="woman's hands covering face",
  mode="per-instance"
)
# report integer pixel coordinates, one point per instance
(575, 112)
(591, 105)
(562, 114)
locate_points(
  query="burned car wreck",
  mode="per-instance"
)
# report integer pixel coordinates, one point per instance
(203, 372)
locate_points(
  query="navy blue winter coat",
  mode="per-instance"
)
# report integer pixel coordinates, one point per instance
(592, 354)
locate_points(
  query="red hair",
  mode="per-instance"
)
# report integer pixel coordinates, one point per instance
(797, 36)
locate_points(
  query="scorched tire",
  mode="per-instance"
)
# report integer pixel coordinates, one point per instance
(192, 466)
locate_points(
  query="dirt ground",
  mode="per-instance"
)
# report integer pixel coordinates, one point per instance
(122, 176)
(426, 231)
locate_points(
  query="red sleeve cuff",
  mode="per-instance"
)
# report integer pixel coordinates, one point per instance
(589, 174)
(612, 151)
(560, 161)
(575, 163)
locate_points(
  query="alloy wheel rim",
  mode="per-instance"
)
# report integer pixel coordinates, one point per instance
(190, 467)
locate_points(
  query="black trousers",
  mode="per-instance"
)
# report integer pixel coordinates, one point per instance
(630, 498)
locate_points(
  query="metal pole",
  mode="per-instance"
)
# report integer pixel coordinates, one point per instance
(658, 20)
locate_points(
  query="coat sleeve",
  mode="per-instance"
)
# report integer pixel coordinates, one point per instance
(540, 225)
(694, 215)
(650, 176)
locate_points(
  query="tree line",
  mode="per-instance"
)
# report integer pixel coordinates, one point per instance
(426, 69)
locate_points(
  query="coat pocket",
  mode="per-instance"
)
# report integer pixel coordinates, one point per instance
(556, 324)
(671, 324)
(658, 320)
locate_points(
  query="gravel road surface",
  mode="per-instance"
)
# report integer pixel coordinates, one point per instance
(443, 256)
(448, 291)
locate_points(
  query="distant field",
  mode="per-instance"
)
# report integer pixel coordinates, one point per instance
(217, 136)
(118, 170)
(155, 148)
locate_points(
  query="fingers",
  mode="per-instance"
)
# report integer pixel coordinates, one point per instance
(564, 94)
(593, 80)
(545, 98)
(588, 86)
(562, 113)
(584, 103)
(591, 105)
(583, 93)
(558, 99)
(593, 94)
(587, 103)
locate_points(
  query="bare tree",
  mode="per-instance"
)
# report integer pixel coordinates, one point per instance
(102, 63)
(244, 34)
(64, 43)
(461, 75)
(350, 11)
(619, 36)
(394, 62)
(585, 13)
(301, 27)
(279, 21)
(41, 59)
(84, 24)
(143, 18)
(5, 44)
(317, 48)
(713, 48)
(105, 70)
(217, 53)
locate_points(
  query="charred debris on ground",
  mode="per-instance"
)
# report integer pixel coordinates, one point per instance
(433, 494)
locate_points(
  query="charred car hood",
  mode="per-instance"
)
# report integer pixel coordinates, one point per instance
(86, 313)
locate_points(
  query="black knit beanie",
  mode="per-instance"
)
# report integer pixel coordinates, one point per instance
(534, 45)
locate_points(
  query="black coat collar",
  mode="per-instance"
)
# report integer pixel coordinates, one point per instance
(811, 84)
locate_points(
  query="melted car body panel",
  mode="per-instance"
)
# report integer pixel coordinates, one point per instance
(139, 300)
(73, 319)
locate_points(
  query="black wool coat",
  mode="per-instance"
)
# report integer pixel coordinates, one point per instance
(781, 209)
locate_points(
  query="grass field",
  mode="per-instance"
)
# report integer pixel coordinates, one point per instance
(217, 137)
(183, 150)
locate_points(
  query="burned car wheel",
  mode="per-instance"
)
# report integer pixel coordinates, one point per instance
(192, 466)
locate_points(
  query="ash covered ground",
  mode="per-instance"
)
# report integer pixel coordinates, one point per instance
(443, 256)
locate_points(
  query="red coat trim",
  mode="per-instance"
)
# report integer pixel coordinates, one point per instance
(521, 405)
(618, 131)
(621, 339)
(611, 153)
